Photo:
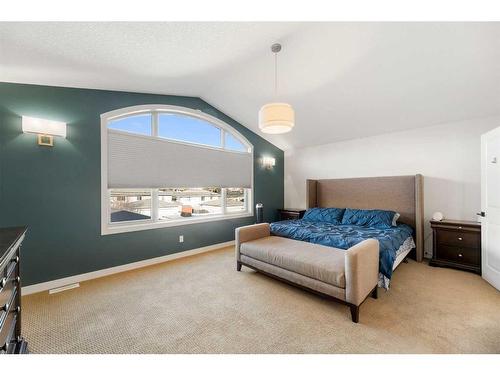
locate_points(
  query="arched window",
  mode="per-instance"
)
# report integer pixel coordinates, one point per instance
(166, 165)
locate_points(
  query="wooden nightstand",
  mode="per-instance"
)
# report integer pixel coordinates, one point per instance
(290, 213)
(457, 244)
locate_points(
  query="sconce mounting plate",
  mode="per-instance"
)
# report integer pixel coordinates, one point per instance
(45, 140)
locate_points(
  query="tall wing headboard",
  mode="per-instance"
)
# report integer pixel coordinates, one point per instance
(403, 194)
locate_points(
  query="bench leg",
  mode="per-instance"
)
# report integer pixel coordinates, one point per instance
(355, 313)
(375, 293)
(238, 266)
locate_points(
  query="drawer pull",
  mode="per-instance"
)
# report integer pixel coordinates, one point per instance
(460, 255)
(460, 238)
(459, 227)
(3, 282)
(18, 309)
(18, 279)
(16, 259)
(6, 307)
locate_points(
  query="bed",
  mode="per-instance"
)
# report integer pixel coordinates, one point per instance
(395, 243)
(402, 194)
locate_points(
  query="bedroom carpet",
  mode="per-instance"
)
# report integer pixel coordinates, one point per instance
(201, 304)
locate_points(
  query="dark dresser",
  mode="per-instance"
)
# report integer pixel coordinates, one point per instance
(11, 341)
(457, 244)
(290, 213)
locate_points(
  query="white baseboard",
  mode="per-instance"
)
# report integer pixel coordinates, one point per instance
(42, 287)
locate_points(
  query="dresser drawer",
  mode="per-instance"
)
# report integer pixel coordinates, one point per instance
(459, 238)
(458, 254)
(11, 340)
(8, 282)
(8, 320)
(8, 339)
(8, 306)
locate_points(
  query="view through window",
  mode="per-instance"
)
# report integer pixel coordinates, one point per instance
(174, 204)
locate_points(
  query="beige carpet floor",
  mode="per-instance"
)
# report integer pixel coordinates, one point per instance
(202, 305)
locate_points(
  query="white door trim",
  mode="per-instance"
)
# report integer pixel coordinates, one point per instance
(487, 273)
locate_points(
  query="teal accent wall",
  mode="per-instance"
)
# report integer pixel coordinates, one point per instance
(55, 191)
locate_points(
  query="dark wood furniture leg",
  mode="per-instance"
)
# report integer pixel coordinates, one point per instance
(238, 266)
(355, 313)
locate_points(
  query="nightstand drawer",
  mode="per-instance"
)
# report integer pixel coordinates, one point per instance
(459, 238)
(458, 254)
(290, 214)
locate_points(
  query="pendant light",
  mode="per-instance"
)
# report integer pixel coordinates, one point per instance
(276, 118)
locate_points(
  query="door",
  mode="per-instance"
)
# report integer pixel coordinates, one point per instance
(490, 205)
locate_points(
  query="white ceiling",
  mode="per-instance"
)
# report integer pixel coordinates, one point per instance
(345, 80)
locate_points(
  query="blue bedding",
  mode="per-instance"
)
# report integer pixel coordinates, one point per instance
(345, 236)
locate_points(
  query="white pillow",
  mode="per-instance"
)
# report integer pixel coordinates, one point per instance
(395, 219)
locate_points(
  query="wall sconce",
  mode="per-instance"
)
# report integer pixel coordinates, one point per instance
(45, 129)
(268, 162)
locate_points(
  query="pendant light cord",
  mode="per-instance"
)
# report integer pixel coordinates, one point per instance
(275, 75)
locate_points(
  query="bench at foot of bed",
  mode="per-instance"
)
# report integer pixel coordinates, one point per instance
(346, 276)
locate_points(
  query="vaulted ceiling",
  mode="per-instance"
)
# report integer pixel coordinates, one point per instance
(345, 80)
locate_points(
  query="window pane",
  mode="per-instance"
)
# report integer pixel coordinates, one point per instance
(188, 129)
(130, 205)
(235, 200)
(188, 202)
(140, 124)
(232, 143)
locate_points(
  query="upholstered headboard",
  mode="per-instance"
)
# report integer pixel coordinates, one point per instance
(403, 194)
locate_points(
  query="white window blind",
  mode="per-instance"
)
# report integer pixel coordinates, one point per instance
(137, 161)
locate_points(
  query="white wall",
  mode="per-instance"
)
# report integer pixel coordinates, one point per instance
(447, 155)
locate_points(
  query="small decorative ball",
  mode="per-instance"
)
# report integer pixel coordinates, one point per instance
(438, 216)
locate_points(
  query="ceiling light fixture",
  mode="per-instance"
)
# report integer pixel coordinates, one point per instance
(276, 118)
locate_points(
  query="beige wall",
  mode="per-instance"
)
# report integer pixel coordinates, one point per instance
(447, 155)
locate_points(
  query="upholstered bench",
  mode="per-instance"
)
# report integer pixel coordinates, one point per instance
(347, 276)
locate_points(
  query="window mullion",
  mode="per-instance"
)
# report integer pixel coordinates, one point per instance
(223, 198)
(154, 124)
(155, 204)
(222, 138)
(108, 206)
(247, 200)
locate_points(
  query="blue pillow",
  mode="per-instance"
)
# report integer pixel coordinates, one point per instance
(368, 218)
(327, 215)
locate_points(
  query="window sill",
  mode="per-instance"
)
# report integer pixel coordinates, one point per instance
(134, 227)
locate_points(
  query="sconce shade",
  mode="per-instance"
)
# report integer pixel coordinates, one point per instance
(276, 118)
(42, 126)
(268, 162)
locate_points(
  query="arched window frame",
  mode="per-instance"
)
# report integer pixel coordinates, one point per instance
(155, 110)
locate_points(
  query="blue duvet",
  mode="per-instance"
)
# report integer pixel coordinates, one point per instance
(346, 236)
